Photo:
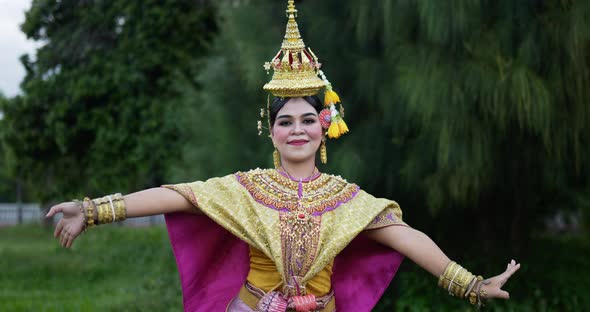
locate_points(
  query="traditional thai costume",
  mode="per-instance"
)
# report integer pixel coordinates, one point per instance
(262, 231)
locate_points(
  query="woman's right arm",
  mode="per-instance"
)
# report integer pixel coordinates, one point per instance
(156, 201)
(149, 202)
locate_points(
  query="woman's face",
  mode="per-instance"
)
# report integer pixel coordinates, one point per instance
(297, 132)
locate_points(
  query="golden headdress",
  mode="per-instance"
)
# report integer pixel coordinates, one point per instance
(296, 73)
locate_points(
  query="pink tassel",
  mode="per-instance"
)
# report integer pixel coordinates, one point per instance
(304, 303)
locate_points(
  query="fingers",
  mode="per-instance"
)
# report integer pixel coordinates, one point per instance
(503, 295)
(66, 239)
(70, 241)
(54, 210)
(64, 234)
(58, 228)
(511, 268)
(62, 239)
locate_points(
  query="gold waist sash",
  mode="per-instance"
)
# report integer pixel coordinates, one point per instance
(251, 295)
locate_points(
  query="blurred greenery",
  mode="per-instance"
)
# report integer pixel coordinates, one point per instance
(114, 269)
(462, 111)
(472, 114)
(132, 269)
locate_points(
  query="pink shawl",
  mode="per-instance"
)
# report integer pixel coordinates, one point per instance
(213, 265)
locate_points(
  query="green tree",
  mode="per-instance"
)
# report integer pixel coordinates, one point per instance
(93, 115)
(6, 183)
(490, 103)
(474, 112)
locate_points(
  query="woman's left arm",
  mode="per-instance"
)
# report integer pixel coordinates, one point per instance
(423, 251)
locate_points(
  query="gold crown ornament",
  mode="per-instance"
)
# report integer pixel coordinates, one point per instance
(296, 73)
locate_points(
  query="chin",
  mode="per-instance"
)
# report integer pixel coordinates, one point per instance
(298, 158)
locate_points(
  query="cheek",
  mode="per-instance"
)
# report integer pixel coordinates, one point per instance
(315, 132)
(280, 134)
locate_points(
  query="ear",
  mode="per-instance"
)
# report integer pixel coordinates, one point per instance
(271, 135)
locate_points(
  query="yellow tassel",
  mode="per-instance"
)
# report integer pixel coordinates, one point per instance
(342, 126)
(331, 97)
(334, 131)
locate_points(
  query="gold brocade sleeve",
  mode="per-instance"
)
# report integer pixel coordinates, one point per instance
(230, 205)
(389, 216)
(345, 223)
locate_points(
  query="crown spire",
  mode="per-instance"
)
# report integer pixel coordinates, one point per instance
(292, 39)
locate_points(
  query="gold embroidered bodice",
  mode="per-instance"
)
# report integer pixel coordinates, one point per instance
(301, 205)
(300, 225)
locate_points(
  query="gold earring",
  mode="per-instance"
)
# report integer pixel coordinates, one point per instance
(323, 152)
(276, 158)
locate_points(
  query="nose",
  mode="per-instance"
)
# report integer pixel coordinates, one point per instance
(297, 128)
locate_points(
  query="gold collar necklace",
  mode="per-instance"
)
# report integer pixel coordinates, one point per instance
(313, 176)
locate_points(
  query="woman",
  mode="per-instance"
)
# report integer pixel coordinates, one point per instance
(289, 238)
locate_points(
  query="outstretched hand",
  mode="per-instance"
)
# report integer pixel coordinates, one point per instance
(71, 224)
(492, 287)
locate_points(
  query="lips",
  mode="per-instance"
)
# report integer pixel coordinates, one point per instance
(297, 142)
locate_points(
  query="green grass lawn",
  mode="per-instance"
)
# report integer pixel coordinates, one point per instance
(114, 268)
(108, 269)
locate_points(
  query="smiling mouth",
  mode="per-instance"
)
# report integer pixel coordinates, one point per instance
(297, 142)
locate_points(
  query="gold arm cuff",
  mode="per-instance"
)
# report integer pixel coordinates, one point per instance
(445, 274)
(111, 209)
(89, 213)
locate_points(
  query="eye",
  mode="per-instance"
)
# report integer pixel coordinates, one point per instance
(284, 123)
(309, 121)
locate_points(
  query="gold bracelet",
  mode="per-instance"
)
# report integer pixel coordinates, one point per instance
(100, 213)
(104, 215)
(111, 208)
(452, 283)
(470, 287)
(462, 283)
(89, 213)
(120, 210)
(443, 276)
(473, 297)
(83, 212)
(450, 276)
(457, 282)
(456, 287)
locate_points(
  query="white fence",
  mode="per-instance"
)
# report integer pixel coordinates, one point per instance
(32, 213)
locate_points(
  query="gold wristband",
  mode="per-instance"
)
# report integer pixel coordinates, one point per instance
(120, 210)
(111, 208)
(89, 213)
(462, 283)
(445, 274)
(459, 282)
(104, 214)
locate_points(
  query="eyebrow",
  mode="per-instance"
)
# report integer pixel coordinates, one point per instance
(304, 115)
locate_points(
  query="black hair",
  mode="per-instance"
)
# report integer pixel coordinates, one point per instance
(279, 102)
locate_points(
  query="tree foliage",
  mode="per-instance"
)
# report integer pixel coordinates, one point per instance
(472, 111)
(93, 115)
(466, 110)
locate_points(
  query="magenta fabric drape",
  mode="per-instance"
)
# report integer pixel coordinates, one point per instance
(213, 265)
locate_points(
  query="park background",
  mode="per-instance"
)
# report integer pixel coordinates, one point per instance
(474, 115)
